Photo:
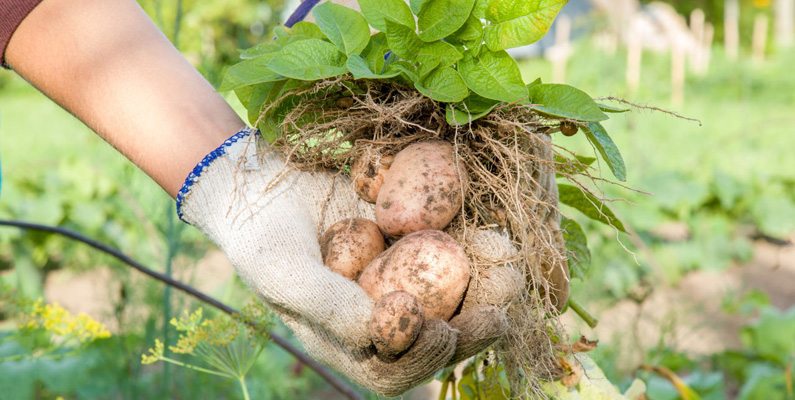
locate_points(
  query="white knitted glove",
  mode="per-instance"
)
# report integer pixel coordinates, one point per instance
(268, 220)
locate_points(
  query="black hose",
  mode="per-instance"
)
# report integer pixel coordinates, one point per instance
(332, 379)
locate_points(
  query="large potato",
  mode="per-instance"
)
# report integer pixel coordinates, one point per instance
(427, 264)
(367, 173)
(349, 245)
(422, 189)
(395, 324)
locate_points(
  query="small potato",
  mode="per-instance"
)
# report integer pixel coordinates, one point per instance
(395, 324)
(349, 245)
(367, 173)
(422, 189)
(427, 264)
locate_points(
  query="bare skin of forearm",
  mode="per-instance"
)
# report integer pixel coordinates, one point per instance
(109, 65)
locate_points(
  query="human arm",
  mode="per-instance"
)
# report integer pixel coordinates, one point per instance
(105, 62)
(109, 65)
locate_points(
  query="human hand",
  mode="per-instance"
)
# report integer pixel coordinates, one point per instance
(267, 219)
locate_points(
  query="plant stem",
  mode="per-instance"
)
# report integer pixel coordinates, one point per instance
(7, 338)
(583, 313)
(171, 244)
(14, 357)
(332, 379)
(452, 380)
(242, 381)
(478, 361)
(443, 392)
(446, 383)
(193, 367)
(177, 23)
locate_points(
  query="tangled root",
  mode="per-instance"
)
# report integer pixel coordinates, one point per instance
(511, 164)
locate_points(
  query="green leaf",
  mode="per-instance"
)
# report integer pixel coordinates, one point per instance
(427, 65)
(772, 335)
(281, 31)
(611, 109)
(493, 75)
(471, 31)
(416, 6)
(570, 167)
(764, 381)
(402, 41)
(253, 97)
(599, 138)
(375, 52)
(773, 214)
(445, 53)
(271, 46)
(519, 23)
(467, 385)
(360, 70)
(309, 60)
(249, 72)
(375, 11)
(439, 18)
(407, 69)
(269, 124)
(308, 29)
(577, 245)
(565, 101)
(589, 205)
(443, 84)
(494, 384)
(407, 45)
(471, 109)
(260, 49)
(479, 10)
(345, 27)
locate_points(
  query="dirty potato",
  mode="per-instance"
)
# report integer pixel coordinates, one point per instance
(429, 265)
(422, 189)
(349, 245)
(396, 322)
(367, 173)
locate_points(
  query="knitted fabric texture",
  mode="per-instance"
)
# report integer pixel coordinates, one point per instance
(268, 218)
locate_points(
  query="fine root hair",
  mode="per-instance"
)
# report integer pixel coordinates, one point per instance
(512, 166)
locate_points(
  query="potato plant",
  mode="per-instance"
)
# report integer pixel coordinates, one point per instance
(358, 91)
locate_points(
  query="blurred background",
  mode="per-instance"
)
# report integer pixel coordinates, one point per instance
(703, 286)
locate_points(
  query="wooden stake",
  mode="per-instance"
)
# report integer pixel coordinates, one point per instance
(677, 73)
(562, 48)
(760, 38)
(784, 12)
(706, 46)
(731, 25)
(634, 59)
(697, 19)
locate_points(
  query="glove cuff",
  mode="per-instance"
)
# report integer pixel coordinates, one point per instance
(197, 171)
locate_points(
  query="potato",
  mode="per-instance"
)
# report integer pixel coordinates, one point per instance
(349, 245)
(427, 264)
(395, 324)
(422, 189)
(367, 173)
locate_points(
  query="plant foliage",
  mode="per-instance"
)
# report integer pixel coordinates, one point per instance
(453, 54)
